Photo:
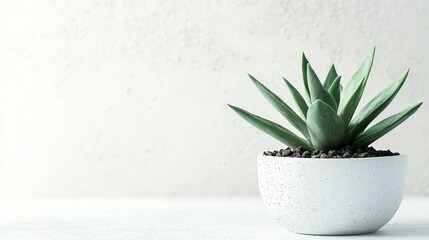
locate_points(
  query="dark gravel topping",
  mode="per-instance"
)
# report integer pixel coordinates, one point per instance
(344, 152)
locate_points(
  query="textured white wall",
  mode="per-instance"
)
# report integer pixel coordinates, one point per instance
(128, 98)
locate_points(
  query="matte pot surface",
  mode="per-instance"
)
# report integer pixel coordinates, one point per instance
(332, 196)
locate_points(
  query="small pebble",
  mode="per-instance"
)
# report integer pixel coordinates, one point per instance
(332, 152)
(306, 154)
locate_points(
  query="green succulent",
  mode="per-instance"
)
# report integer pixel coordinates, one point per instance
(328, 120)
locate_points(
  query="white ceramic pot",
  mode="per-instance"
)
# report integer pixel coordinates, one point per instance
(332, 196)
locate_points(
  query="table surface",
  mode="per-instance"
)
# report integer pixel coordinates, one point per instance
(176, 218)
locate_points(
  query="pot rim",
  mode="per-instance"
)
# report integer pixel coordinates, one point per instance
(401, 156)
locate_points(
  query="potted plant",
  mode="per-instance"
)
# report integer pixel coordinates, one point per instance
(330, 182)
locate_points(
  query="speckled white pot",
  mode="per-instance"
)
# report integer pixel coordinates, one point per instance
(332, 196)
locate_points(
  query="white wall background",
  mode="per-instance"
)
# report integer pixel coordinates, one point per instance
(128, 98)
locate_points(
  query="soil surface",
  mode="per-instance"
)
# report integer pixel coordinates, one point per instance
(344, 152)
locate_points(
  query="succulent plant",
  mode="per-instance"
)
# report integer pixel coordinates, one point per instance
(328, 120)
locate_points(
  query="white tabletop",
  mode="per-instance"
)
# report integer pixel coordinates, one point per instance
(175, 218)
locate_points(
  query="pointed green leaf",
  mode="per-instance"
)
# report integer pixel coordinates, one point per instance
(374, 107)
(350, 108)
(304, 74)
(356, 83)
(330, 78)
(317, 91)
(326, 128)
(334, 90)
(273, 129)
(299, 100)
(383, 127)
(282, 107)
